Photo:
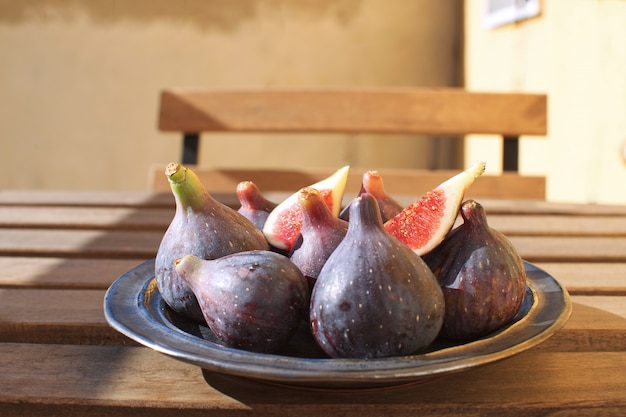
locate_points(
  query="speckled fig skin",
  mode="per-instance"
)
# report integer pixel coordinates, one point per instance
(481, 274)
(374, 296)
(253, 300)
(253, 204)
(372, 183)
(203, 227)
(320, 234)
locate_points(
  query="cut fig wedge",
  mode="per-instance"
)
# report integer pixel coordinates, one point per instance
(284, 223)
(424, 224)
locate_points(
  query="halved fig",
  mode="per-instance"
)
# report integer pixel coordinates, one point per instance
(284, 223)
(424, 224)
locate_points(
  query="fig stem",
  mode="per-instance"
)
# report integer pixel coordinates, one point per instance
(186, 187)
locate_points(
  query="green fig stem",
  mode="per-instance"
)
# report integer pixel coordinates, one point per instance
(187, 188)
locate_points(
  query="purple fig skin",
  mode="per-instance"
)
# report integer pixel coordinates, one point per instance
(344, 214)
(253, 205)
(372, 183)
(253, 300)
(374, 296)
(481, 274)
(203, 227)
(321, 233)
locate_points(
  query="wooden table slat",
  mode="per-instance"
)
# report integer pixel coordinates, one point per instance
(120, 244)
(579, 278)
(62, 273)
(562, 249)
(60, 198)
(137, 380)
(76, 317)
(158, 218)
(55, 198)
(109, 218)
(595, 278)
(144, 244)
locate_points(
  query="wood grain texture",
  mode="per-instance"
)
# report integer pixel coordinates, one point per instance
(565, 249)
(137, 381)
(62, 273)
(56, 316)
(110, 218)
(397, 182)
(580, 278)
(158, 218)
(76, 317)
(120, 244)
(558, 225)
(434, 111)
(583, 278)
(438, 112)
(56, 198)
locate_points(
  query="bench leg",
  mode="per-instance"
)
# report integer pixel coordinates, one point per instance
(190, 148)
(510, 153)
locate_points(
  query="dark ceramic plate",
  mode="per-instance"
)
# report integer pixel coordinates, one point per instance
(134, 307)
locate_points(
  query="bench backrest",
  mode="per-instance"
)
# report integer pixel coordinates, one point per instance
(428, 111)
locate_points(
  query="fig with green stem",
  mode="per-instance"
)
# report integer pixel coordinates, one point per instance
(202, 226)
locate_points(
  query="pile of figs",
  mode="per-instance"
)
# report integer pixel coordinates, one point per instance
(367, 280)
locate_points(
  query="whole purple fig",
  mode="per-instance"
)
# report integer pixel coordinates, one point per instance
(320, 234)
(203, 227)
(253, 204)
(374, 296)
(252, 300)
(481, 274)
(372, 183)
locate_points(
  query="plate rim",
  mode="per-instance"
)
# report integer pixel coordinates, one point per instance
(124, 309)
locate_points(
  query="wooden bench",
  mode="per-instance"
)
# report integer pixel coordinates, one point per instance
(437, 112)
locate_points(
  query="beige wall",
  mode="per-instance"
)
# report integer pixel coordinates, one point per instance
(576, 53)
(80, 78)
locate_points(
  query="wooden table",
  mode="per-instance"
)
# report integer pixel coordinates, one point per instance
(60, 251)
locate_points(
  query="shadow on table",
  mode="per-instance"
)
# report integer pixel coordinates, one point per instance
(586, 331)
